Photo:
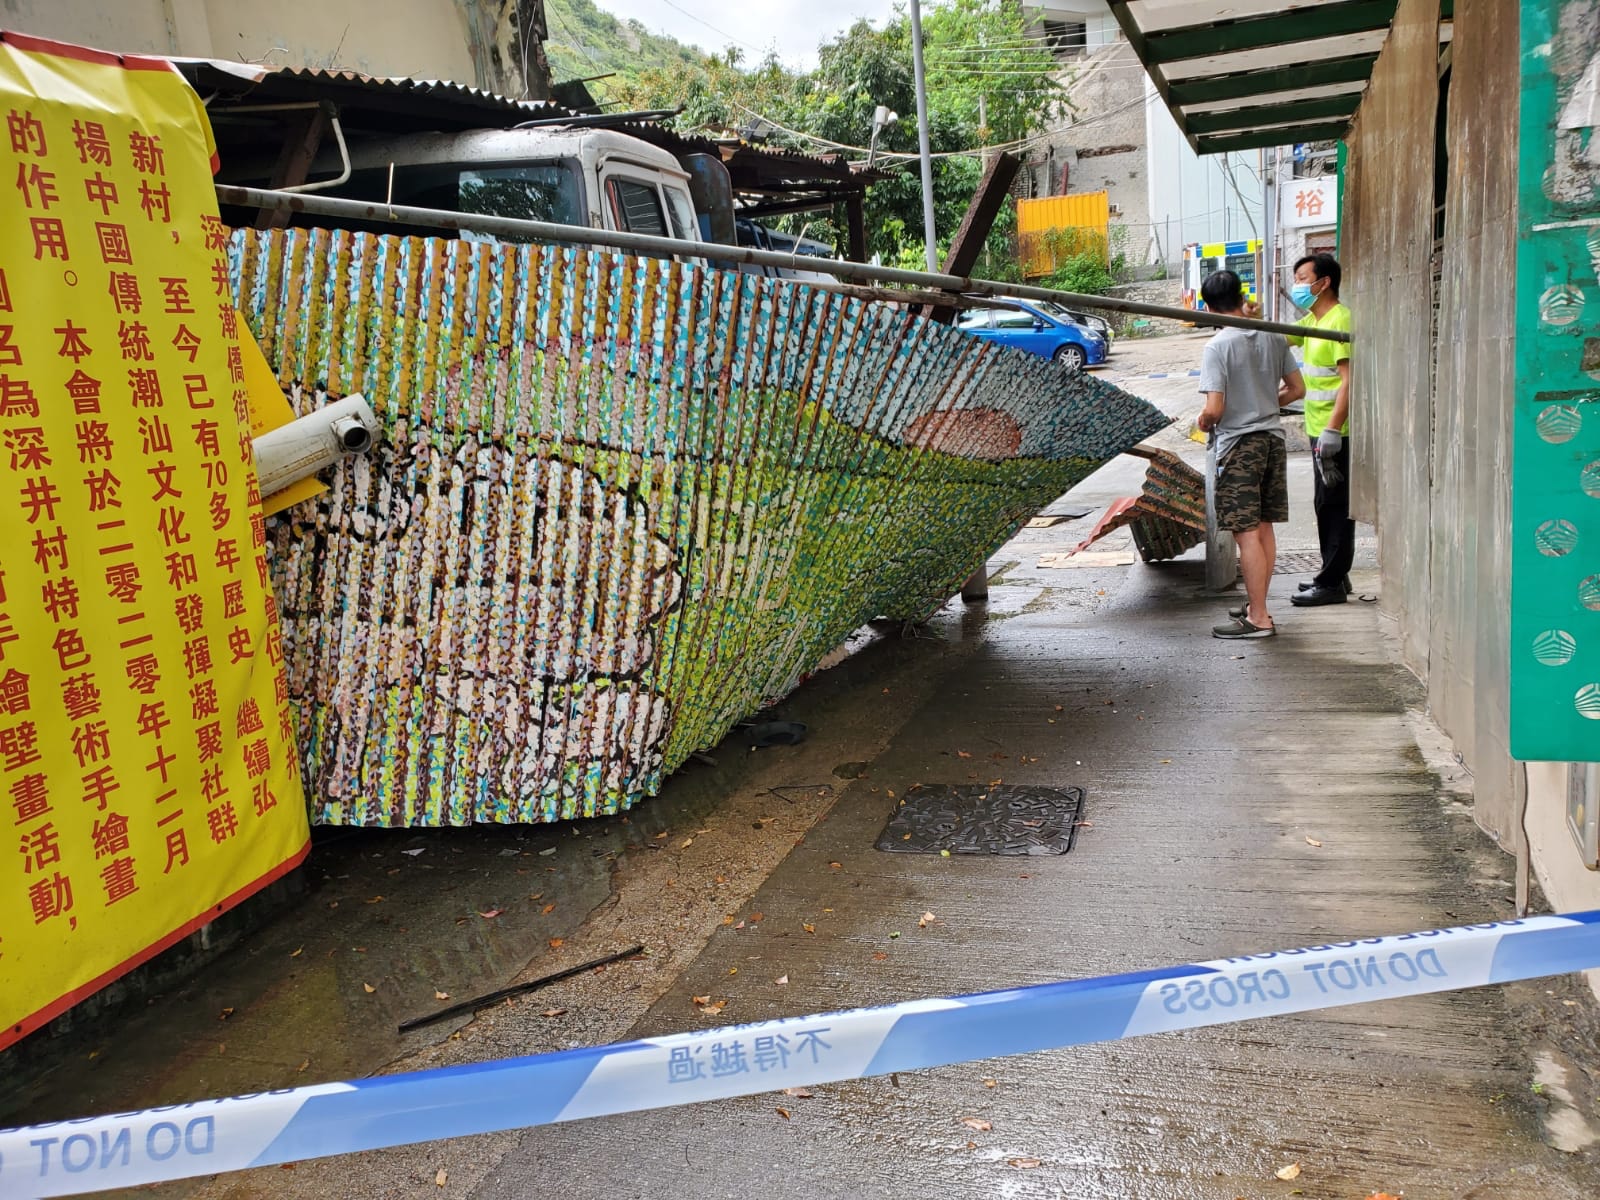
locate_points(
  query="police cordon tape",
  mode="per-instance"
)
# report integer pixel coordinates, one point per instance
(208, 1137)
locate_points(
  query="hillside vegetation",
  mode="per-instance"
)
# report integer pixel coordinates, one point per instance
(585, 40)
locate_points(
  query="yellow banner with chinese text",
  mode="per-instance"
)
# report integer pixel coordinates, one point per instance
(148, 779)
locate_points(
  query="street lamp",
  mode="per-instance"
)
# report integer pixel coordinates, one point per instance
(882, 118)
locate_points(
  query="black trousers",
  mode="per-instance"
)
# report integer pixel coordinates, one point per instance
(1335, 530)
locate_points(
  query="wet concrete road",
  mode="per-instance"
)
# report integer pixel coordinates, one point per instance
(1208, 766)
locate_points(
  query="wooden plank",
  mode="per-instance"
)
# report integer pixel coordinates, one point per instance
(299, 150)
(994, 189)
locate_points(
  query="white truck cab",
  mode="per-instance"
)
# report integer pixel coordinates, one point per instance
(599, 178)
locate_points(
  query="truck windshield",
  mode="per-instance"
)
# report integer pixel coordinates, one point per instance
(529, 192)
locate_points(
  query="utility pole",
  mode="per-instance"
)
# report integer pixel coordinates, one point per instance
(930, 234)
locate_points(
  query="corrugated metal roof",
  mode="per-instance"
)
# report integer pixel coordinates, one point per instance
(1256, 72)
(372, 99)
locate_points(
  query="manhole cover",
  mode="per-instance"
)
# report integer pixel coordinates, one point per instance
(1292, 562)
(974, 819)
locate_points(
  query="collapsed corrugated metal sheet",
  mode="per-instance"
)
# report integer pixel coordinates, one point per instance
(1168, 517)
(616, 506)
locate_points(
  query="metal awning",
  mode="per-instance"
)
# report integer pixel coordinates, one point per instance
(1249, 73)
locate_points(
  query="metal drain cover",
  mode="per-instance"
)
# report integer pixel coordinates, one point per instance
(974, 819)
(1297, 562)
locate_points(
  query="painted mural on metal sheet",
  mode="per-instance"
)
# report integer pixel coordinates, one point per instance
(616, 506)
(1555, 496)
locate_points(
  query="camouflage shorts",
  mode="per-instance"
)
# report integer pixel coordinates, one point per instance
(1253, 483)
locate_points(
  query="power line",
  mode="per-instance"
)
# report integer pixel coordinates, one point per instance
(1018, 144)
(713, 28)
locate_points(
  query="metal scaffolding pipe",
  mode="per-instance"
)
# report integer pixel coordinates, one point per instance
(660, 247)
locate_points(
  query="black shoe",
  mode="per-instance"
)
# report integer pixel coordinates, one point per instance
(1314, 597)
(1309, 584)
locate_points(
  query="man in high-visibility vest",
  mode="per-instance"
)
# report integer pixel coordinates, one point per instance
(1326, 369)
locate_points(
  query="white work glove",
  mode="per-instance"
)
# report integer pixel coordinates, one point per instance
(1330, 443)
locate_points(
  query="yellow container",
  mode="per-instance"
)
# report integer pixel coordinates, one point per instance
(1055, 228)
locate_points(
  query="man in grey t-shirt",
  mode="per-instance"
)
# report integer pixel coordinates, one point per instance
(1239, 376)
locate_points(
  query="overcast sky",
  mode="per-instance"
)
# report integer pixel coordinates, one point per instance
(791, 27)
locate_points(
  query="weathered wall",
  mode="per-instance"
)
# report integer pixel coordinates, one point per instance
(1433, 443)
(1101, 143)
(1467, 606)
(1386, 271)
(468, 41)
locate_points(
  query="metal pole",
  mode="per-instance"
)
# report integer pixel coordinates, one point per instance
(928, 230)
(1269, 223)
(661, 247)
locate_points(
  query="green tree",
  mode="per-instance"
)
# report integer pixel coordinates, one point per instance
(989, 83)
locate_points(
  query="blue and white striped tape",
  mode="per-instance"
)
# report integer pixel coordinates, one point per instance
(211, 1136)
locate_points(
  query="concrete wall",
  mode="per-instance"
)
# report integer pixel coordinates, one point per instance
(1101, 143)
(1433, 429)
(468, 41)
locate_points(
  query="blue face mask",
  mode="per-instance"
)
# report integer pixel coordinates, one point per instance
(1302, 295)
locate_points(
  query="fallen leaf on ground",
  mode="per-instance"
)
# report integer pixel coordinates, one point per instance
(757, 918)
(733, 970)
(1382, 1196)
(798, 1093)
(557, 943)
(442, 1177)
(808, 927)
(438, 995)
(303, 1065)
(1061, 708)
(414, 853)
(548, 908)
(297, 953)
(225, 1014)
(686, 843)
(782, 1112)
(894, 935)
(375, 899)
(491, 914)
(1292, 1171)
(879, 956)
(781, 980)
(536, 896)
(1024, 1162)
(1311, 841)
(988, 1083)
(834, 866)
(554, 1012)
(700, 999)
(962, 754)
(369, 988)
(925, 920)
(977, 1123)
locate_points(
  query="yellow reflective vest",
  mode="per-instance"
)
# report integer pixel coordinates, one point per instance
(1321, 359)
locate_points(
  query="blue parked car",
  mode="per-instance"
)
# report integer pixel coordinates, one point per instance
(1037, 331)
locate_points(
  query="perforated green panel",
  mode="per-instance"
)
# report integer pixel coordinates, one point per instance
(1555, 487)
